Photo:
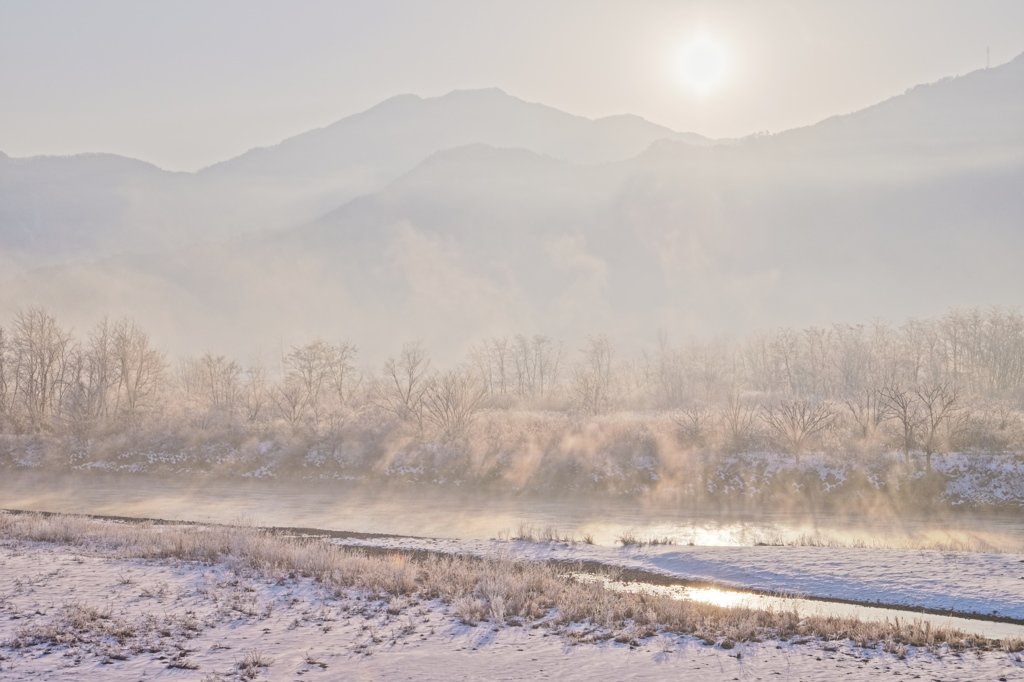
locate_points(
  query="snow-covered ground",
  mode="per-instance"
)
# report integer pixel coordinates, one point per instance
(69, 615)
(964, 582)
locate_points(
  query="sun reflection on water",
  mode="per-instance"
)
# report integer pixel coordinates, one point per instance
(728, 598)
(717, 597)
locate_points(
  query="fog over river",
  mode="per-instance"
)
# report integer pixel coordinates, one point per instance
(456, 514)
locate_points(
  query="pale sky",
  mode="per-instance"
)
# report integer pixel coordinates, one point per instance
(186, 83)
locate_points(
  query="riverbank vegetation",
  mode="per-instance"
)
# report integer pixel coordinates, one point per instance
(933, 408)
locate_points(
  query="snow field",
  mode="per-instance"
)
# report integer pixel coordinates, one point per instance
(89, 599)
(166, 619)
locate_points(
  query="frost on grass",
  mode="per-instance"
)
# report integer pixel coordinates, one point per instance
(91, 630)
(251, 571)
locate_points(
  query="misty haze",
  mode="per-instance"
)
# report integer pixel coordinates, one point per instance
(634, 341)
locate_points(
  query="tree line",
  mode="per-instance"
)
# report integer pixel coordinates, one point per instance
(955, 381)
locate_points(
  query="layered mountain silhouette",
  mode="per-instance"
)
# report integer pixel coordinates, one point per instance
(56, 209)
(905, 208)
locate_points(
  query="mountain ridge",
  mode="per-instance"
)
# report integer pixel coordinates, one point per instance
(480, 239)
(77, 207)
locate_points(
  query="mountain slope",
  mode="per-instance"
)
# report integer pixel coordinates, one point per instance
(57, 209)
(843, 221)
(317, 171)
(53, 209)
(624, 249)
(977, 116)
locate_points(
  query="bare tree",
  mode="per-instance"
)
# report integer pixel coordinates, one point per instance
(869, 410)
(797, 421)
(451, 401)
(696, 425)
(709, 368)
(102, 370)
(5, 363)
(41, 351)
(548, 357)
(310, 373)
(938, 420)
(904, 406)
(93, 379)
(759, 357)
(323, 378)
(289, 397)
(255, 393)
(212, 388)
(737, 416)
(139, 369)
(492, 360)
(400, 389)
(344, 378)
(536, 364)
(592, 376)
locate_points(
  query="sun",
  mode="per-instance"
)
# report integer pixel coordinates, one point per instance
(703, 64)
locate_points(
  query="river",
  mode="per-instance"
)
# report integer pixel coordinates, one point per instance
(458, 513)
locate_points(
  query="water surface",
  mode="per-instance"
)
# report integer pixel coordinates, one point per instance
(460, 513)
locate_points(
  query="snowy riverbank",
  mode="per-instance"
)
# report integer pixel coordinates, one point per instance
(69, 614)
(965, 582)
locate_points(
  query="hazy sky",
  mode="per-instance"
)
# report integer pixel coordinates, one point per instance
(186, 83)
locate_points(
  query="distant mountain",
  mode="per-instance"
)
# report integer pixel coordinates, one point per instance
(906, 208)
(56, 209)
(398, 133)
(978, 117)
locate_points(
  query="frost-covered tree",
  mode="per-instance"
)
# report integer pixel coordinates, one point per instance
(796, 421)
(400, 388)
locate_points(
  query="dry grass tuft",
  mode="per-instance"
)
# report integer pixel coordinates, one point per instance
(527, 532)
(252, 663)
(629, 538)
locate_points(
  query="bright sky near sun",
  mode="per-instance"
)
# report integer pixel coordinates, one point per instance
(703, 63)
(186, 83)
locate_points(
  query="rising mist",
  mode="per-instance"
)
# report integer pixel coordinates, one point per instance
(577, 340)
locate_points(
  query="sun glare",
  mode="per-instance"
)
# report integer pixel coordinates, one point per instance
(702, 64)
